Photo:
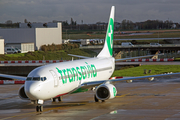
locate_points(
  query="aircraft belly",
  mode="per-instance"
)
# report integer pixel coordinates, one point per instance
(65, 89)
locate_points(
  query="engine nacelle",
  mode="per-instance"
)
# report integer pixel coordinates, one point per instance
(106, 91)
(22, 93)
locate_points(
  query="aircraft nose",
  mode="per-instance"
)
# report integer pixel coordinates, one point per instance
(32, 90)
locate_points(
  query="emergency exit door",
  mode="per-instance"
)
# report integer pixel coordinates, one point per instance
(56, 82)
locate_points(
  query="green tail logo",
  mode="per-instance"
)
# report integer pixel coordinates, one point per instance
(115, 91)
(109, 36)
(107, 50)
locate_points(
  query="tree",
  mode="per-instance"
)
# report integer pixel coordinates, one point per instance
(124, 24)
(9, 22)
(25, 21)
(127, 24)
(65, 23)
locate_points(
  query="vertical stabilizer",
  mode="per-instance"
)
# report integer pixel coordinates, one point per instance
(108, 44)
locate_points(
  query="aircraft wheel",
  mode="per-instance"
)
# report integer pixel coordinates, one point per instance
(39, 108)
(95, 99)
(103, 100)
(60, 98)
(54, 99)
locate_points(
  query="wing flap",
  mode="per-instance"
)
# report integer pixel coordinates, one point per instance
(88, 85)
(147, 56)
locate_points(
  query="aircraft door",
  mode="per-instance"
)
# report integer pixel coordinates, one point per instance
(56, 82)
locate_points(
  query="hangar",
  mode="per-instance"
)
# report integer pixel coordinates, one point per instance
(32, 38)
(1, 46)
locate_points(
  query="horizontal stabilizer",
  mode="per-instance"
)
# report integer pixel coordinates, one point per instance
(147, 56)
(78, 56)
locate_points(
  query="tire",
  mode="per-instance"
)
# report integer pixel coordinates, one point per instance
(95, 99)
(60, 98)
(41, 108)
(37, 108)
(54, 99)
(103, 100)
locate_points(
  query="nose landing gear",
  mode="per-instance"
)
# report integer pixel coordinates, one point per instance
(39, 108)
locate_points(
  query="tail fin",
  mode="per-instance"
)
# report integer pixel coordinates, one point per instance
(108, 44)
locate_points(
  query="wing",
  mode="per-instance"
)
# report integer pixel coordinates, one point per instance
(13, 77)
(137, 57)
(78, 56)
(88, 85)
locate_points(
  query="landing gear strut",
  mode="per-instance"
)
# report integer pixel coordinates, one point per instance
(39, 108)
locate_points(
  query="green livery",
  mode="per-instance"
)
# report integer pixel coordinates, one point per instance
(77, 73)
(109, 36)
(107, 50)
(114, 91)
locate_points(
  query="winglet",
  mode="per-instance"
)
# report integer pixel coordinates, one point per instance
(108, 45)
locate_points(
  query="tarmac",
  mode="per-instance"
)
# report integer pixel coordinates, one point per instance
(148, 63)
(139, 100)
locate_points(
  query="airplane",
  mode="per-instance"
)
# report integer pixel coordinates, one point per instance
(54, 80)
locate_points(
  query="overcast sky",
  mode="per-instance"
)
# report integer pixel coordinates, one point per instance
(90, 11)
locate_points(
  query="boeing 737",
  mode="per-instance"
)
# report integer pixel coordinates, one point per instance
(55, 80)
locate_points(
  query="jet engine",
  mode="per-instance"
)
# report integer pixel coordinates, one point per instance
(22, 93)
(106, 91)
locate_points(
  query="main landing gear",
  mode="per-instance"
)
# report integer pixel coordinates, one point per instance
(59, 99)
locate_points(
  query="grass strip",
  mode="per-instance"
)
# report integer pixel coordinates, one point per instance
(139, 71)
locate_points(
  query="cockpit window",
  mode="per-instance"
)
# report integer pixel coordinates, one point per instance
(43, 78)
(29, 78)
(36, 78)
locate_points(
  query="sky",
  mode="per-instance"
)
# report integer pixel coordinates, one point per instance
(90, 11)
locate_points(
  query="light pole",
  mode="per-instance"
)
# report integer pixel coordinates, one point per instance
(158, 36)
(66, 34)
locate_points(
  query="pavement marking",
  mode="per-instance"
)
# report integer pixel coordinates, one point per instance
(123, 95)
(36, 113)
(17, 115)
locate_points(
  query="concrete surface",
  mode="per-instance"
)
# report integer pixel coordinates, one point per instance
(140, 100)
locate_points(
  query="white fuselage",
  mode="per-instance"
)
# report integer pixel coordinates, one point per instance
(58, 79)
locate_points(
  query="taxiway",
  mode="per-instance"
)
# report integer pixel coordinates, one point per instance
(140, 100)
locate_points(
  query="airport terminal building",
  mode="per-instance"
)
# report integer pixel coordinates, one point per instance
(32, 38)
